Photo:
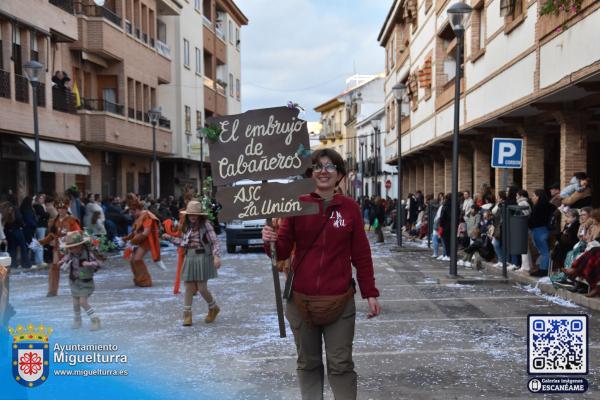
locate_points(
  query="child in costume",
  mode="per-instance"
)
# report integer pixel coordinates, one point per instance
(58, 228)
(201, 261)
(81, 262)
(144, 237)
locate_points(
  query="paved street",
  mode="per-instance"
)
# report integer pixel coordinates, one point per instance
(434, 339)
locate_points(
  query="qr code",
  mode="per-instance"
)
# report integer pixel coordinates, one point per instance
(557, 344)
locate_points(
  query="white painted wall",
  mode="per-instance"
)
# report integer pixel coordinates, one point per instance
(575, 48)
(234, 66)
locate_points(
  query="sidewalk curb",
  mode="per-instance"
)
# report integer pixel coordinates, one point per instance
(546, 288)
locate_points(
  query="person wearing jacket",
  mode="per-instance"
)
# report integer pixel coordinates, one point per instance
(541, 214)
(57, 230)
(567, 239)
(326, 245)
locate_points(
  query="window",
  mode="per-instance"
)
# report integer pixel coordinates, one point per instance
(237, 38)
(186, 53)
(198, 120)
(514, 12)
(231, 85)
(197, 5)
(477, 30)
(206, 9)
(188, 120)
(198, 61)
(230, 32)
(237, 89)
(35, 55)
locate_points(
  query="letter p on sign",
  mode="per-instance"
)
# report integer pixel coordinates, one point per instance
(506, 150)
(507, 153)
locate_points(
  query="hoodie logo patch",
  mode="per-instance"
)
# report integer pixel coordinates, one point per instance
(338, 222)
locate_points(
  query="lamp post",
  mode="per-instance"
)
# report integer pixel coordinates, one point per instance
(375, 123)
(458, 16)
(33, 70)
(154, 115)
(200, 136)
(362, 140)
(399, 91)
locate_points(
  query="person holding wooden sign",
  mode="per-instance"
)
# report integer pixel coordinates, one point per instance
(321, 307)
(201, 260)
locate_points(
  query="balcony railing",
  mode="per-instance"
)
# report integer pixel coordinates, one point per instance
(21, 89)
(103, 105)
(139, 115)
(146, 118)
(131, 113)
(208, 82)
(207, 22)
(164, 122)
(151, 42)
(145, 37)
(163, 49)
(99, 11)
(221, 88)
(137, 32)
(5, 84)
(63, 100)
(41, 94)
(128, 27)
(220, 32)
(66, 5)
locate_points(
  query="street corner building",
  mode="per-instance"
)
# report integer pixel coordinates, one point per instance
(104, 67)
(524, 75)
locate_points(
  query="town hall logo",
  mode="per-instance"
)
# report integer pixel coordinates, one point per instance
(30, 354)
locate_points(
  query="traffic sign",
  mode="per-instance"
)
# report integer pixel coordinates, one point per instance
(507, 153)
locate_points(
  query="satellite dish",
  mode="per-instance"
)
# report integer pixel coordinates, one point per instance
(99, 2)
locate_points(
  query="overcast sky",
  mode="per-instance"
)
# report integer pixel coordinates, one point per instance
(303, 50)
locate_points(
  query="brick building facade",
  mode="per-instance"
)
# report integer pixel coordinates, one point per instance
(524, 76)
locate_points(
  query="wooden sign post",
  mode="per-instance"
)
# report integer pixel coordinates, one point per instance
(261, 145)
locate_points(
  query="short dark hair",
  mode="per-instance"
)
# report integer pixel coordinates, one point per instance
(334, 156)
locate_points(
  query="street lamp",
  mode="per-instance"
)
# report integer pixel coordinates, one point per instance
(375, 123)
(458, 16)
(33, 69)
(363, 141)
(399, 91)
(154, 115)
(200, 135)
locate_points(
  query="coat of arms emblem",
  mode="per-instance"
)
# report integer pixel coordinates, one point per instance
(30, 354)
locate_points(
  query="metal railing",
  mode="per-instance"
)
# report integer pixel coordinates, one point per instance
(103, 105)
(128, 27)
(21, 89)
(131, 113)
(151, 42)
(5, 84)
(139, 115)
(63, 100)
(164, 122)
(91, 10)
(137, 32)
(41, 94)
(66, 5)
(163, 49)
(145, 37)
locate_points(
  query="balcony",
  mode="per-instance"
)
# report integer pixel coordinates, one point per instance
(139, 115)
(63, 101)
(103, 106)
(330, 131)
(207, 22)
(208, 82)
(21, 89)
(115, 132)
(138, 33)
(66, 5)
(5, 84)
(100, 12)
(163, 49)
(221, 87)
(337, 129)
(128, 27)
(220, 33)
(130, 113)
(145, 37)
(164, 122)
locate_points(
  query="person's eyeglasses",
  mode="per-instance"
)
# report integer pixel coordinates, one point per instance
(329, 167)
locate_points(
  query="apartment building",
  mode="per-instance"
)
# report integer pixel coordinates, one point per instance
(205, 44)
(525, 75)
(340, 115)
(115, 63)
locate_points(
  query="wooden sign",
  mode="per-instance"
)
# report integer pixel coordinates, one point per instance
(267, 200)
(259, 145)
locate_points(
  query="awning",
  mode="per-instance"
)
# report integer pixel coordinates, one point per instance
(60, 157)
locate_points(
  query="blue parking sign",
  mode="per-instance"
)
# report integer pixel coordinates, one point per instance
(507, 153)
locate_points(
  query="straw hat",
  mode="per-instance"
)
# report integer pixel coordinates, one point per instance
(74, 238)
(194, 208)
